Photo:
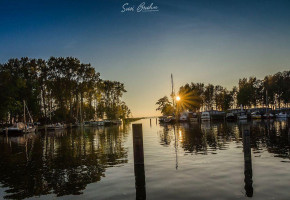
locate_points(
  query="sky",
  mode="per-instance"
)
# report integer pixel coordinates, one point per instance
(214, 42)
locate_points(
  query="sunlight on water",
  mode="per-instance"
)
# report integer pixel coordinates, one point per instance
(185, 161)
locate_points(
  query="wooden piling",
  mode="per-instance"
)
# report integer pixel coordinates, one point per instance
(247, 160)
(140, 182)
(138, 144)
(139, 168)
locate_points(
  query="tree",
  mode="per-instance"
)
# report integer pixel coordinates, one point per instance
(165, 106)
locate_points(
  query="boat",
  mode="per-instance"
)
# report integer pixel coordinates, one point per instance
(242, 115)
(281, 115)
(183, 118)
(161, 119)
(169, 119)
(57, 126)
(108, 122)
(256, 115)
(230, 116)
(21, 128)
(87, 123)
(205, 116)
(268, 116)
(101, 123)
(193, 117)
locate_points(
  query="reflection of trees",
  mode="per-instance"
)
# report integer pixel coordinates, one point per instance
(206, 137)
(199, 138)
(62, 162)
(272, 136)
(166, 135)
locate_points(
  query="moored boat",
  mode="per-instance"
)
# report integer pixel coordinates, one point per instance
(57, 126)
(281, 115)
(183, 118)
(161, 119)
(20, 128)
(169, 119)
(193, 117)
(230, 116)
(205, 116)
(268, 116)
(256, 115)
(242, 115)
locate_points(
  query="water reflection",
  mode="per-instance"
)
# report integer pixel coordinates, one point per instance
(180, 158)
(208, 138)
(62, 162)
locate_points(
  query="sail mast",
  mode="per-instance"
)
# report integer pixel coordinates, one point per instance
(172, 90)
(24, 119)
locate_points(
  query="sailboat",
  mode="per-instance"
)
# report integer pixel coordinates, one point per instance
(22, 127)
(267, 115)
(242, 114)
(57, 126)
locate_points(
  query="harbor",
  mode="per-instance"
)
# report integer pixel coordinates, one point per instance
(145, 100)
(86, 162)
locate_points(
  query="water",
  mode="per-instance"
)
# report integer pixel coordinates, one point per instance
(197, 161)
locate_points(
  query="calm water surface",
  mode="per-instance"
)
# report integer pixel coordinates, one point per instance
(186, 161)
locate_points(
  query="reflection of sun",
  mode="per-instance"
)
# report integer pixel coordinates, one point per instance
(180, 136)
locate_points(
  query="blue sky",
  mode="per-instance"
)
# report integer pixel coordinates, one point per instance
(198, 41)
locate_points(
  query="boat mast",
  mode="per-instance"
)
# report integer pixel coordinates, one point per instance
(81, 113)
(172, 90)
(24, 119)
(267, 101)
(176, 141)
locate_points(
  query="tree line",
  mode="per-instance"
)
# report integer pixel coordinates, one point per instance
(272, 91)
(58, 89)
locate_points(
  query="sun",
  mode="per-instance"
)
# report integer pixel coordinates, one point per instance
(178, 98)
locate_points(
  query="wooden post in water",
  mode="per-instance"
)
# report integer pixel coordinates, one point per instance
(138, 144)
(247, 160)
(139, 162)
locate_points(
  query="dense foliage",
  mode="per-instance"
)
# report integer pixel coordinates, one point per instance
(59, 89)
(272, 91)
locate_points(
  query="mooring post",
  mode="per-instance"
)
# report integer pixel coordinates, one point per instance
(138, 144)
(247, 160)
(156, 120)
(139, 162)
